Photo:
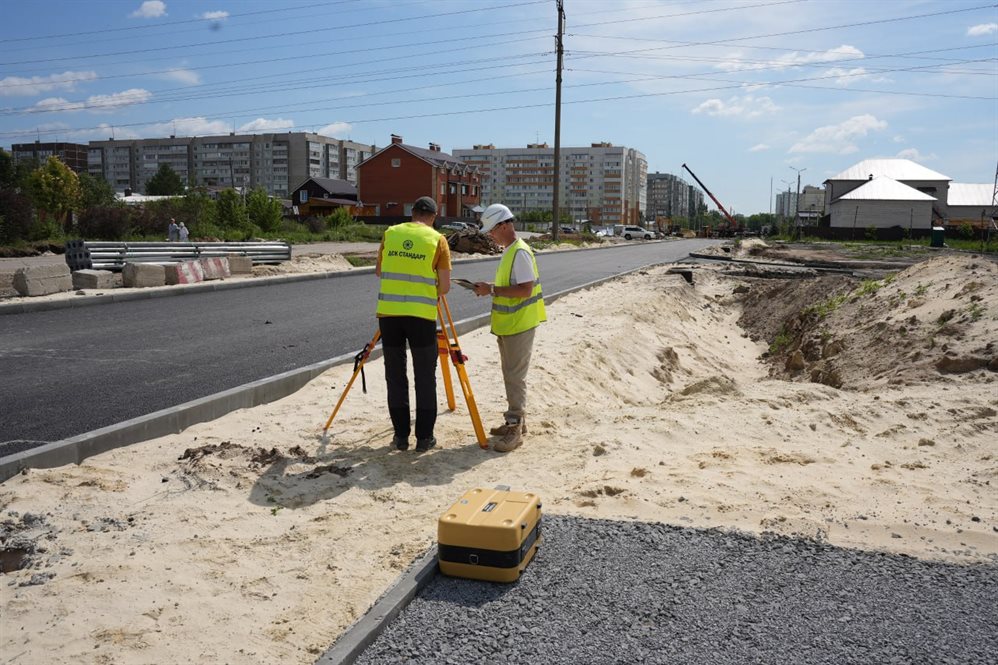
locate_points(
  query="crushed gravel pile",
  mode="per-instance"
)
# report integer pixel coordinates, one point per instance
(603, 591)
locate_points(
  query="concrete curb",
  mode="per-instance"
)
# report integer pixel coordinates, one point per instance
(175, 419)
(352, 643)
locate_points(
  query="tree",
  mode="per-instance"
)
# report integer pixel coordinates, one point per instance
(232, 212)
(55, 189)
(16, 216)
(166, 182)
(95, 192)
(264, 211)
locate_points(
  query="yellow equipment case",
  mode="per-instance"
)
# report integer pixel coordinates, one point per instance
(489, 534)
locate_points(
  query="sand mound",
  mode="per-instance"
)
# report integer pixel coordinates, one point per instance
(306, 263)
(937, 317)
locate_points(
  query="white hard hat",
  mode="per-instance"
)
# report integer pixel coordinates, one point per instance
(494, 215)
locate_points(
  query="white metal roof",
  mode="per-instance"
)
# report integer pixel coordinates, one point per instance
(885, 189)
(970, 194)
(898, 169)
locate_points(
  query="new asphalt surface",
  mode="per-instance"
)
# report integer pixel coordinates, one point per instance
(71, 371)
(605, 592)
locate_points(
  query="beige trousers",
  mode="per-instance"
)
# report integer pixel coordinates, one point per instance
(514, 355)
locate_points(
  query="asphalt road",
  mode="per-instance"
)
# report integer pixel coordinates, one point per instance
(70, 371)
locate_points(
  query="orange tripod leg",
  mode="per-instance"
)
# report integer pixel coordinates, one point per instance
(444, 352)
(458, 358)
(360, 365)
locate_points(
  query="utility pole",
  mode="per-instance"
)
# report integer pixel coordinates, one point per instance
(797, 212)
(555, 213)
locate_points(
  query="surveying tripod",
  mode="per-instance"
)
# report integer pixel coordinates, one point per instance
(449, 350)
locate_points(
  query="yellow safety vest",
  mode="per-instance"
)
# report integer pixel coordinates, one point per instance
(408, 280)
(516, 315)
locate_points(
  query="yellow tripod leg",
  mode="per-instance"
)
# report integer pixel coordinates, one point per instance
(458, 357)
(443, 350)
(364, 354)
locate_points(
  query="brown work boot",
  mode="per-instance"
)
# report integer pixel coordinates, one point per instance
(511, 440)
(506, 428)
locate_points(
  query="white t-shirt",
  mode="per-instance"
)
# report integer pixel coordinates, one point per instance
(523, 268)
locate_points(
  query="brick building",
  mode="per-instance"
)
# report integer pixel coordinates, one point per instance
(394, 177)
(73, 155)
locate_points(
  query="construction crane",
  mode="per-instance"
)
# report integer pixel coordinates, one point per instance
(731, 220)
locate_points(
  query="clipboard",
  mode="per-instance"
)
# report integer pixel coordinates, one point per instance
(463, 282)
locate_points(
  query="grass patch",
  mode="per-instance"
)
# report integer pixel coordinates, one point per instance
(361, 260)
(823, 309)
(781, 342)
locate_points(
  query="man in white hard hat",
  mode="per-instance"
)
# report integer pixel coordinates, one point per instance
(517, 310)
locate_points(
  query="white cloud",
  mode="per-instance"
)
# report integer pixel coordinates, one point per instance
(746, 107)
(186, 76)
(150, 9)
(96, 103)
(18, 86)
(839, 139)
(197, 126)
(215, 16)
(914, 155)
(265, 125)
(759, 147)
(336, 129)
(847, 76)
(898, 139)
(982, 29)
(794, 59)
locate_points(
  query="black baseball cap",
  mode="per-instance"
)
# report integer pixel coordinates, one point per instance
(425, 204)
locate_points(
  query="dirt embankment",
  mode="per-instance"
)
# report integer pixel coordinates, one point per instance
(934, 319)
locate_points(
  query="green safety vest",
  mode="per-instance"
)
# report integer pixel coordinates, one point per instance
(408, 280)
(516, 315)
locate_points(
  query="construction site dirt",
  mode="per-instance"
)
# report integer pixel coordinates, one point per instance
(857, 411)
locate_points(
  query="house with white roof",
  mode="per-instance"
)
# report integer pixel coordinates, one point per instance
(894, 194)
(971, 203)
(882, 202)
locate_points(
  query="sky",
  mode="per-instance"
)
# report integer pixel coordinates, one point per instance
(748, 94)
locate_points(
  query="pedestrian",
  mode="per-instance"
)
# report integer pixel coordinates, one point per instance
(172, 231)
(414, 267)
(517, 310)
(182, 233)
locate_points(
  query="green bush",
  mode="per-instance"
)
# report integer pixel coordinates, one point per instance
(16, 217)
(339, 218)
(105, 223)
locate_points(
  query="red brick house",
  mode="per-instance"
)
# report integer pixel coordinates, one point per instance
(390, 180)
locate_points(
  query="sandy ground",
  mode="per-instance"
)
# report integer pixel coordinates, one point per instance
(245, 540)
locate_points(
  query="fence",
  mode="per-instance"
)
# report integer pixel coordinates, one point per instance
(99, 255)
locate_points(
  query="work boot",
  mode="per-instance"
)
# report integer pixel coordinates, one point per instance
(422, 445)
(506, 428)
(510, 441)
(400, 442)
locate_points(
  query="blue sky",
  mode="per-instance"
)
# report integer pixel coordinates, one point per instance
(746, 93)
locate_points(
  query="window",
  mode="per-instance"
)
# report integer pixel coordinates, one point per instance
(303, 196)
(396, 162)
(408, 210)
(464, 190)
(453, 189)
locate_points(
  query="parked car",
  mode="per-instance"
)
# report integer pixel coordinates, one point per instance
(631, 232)
(566, 229)
(459, 226)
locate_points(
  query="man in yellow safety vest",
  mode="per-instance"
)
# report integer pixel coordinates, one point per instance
(414, 267)
(517, 310)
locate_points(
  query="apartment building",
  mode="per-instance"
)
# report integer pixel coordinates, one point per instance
(603, 183)
(276, 163)
(73, 155)
(671, 197)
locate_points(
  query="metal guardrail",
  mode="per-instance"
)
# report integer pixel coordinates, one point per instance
(101, 255)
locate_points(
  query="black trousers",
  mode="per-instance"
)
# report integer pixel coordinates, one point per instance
(421, 335)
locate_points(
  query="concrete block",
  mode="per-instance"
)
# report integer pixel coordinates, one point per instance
(141, 275)
(215, 268)
(186, 272)
(42, 280)
(240, 265)
(93, 279)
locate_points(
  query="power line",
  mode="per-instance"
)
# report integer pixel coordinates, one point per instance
(281, 34)
(732, 85)
(169, 23)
